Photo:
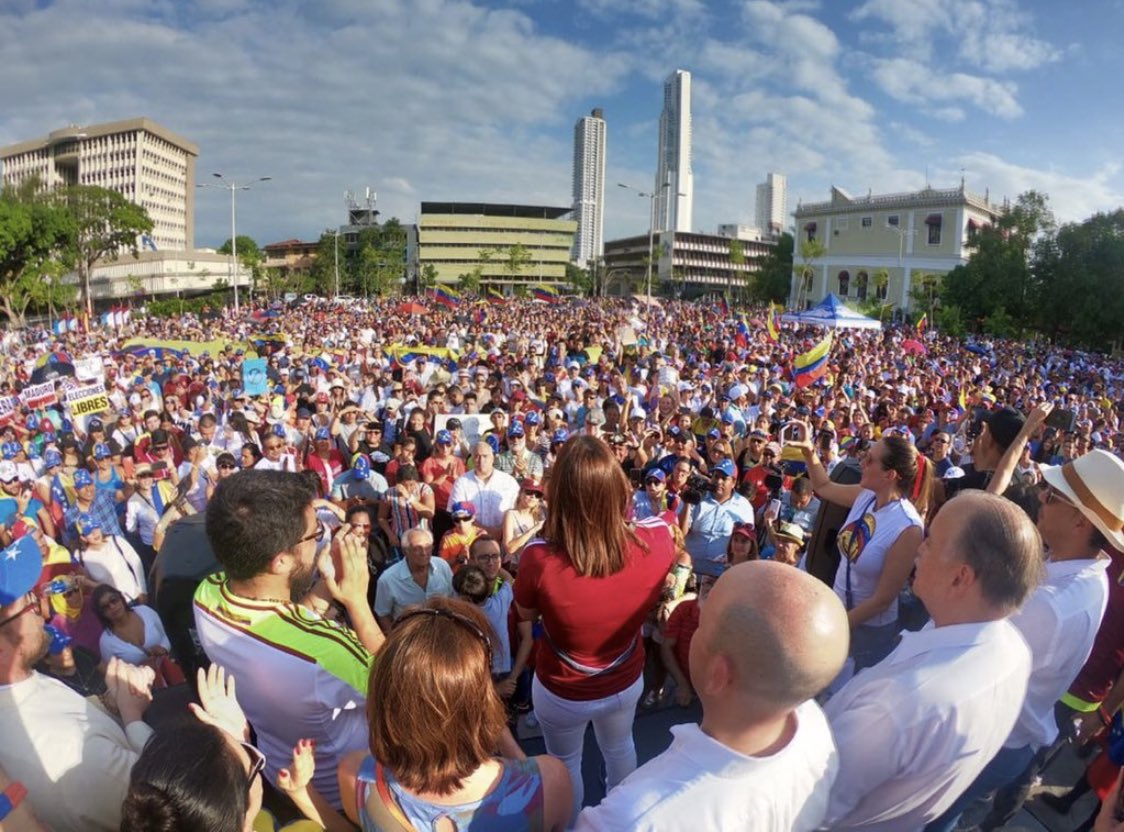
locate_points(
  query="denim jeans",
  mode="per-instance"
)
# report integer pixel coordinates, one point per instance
(564, 721)
(1004, 768)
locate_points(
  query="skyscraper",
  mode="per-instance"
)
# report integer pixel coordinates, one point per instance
(675, 181)
(772, 204)
(589, 188)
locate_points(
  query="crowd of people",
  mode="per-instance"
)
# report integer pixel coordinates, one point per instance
(893, 592)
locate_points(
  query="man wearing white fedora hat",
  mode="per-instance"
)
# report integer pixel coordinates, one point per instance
(1081, 513)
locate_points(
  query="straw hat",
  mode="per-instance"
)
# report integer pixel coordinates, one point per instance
(1095, 484)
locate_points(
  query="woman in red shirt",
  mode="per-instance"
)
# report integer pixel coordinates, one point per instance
(593, 579)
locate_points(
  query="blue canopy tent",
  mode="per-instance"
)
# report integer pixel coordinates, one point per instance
(831, 312)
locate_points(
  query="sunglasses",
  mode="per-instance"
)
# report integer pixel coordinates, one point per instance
(531, 492)
(319, 535)
(226, 467)
(32, 604)
(452, 616)
(257, 763)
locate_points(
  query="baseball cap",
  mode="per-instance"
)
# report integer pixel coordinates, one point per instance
(101, 451)
(87, 524)
(10, 450)
(443, 437)
(596, 416)
(790, 531)
(20, 565)
(82, 478)
(322, 398)
(304, 413)
(533, 418)
(656, 474)
(322, 434)
(726, 467)
(516, 429)
(531, 484)
(95, 424)
(1004, 425)
(8, 472)
(559, 435)
(675, 432)
(52, 458)
(463, 510)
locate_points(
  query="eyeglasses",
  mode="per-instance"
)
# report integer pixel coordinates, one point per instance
(1052, 495)
(257, 763)
(452, 616)
(226, 467)
(318, 534)
(530, 492)
(32, 604)
(488, 557)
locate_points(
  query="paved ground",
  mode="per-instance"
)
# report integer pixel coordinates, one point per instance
(652, 733)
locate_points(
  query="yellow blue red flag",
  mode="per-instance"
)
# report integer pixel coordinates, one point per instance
(812, 365)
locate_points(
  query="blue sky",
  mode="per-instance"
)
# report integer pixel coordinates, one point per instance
(454, 99)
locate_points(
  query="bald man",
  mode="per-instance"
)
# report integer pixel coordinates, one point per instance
(770, 638)
(916, 729)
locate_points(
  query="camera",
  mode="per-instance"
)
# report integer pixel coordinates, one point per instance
(774, 480)
(696, 487)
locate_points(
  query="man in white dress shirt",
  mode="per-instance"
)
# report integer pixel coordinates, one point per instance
(492, 491)
(1078, 518)
(916, 729)
(770, 637)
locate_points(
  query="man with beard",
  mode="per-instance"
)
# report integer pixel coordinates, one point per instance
(73, 759)
(300, 675)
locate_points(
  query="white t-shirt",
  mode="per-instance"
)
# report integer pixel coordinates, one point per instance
(116, 562)
(698, 783)
(864, 541)
(154, 636)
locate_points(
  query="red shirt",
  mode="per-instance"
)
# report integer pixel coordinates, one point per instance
(328, 469)
(681, 626)
(1107, 658)
(442, 486)
(594, 620)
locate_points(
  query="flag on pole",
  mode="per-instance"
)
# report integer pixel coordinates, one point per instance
(812, 365)
(923, 323)
(773, 323)
(447, 296)
(495, 296)
(724, 306)
(547, 294)
(741, 331)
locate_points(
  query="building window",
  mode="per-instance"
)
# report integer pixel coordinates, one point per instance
(810, 230)
(893, 220)
(844, 283)
(934, 223)
(881, 291)
(973, 232)
(868, 222)
(842, 224)
(862, 279)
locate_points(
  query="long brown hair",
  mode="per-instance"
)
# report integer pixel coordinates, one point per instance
(589, 497)
(433, 712)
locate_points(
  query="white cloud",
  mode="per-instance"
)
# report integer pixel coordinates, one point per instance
(913, 82)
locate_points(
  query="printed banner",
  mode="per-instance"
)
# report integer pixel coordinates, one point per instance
(87, 400)
(8, 407)
(89, 369)
(39, 395)
(255, 382)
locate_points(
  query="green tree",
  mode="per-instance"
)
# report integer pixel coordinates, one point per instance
(322, 272)
(579, 278)
(427, 277)
(378, 261)
(773, 282)
(105, 224)
(36, 242)
(516, 258)
(250, 257)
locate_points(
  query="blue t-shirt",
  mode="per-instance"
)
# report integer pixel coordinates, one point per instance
(9, 507)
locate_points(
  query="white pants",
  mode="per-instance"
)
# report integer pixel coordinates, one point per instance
(564, 722)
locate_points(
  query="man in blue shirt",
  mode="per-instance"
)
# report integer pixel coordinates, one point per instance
(709, 524)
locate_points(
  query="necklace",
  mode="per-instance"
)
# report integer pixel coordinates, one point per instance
(256, 598)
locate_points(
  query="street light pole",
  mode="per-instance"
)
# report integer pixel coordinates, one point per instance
(233, 187)
(652, 196)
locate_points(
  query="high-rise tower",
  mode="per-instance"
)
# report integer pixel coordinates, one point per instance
(675, 181)
(772, 204)
(589, 188)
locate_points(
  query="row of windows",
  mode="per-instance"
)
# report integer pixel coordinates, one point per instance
(933, 223)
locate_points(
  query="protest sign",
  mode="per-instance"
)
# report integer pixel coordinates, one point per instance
(39, 395)
(90, 368)
(87, 399)
(255, 382)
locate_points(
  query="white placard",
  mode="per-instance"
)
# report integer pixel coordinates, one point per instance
(90, 368)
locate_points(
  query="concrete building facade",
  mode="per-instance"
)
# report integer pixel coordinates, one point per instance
(687, 264)
(451, 236)
(772, 204)
(931, 231)
(675, 179)
(138, 158)
(589, 188)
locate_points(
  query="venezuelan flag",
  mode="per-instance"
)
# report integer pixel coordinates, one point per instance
(447, 296)
(922, 324)
(812, 365)
(773, 323)
(547, 294)
(495, 296)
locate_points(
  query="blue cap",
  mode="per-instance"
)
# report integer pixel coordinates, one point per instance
(560, 435)
(10, 450)
(443, 437)
(52, 458)
(95, 424)
(33, 421)
(82, 478)
(87, 524)
(725, 466)
(675, 432)
(279, 430)
(533, 418)
(463, 509)
(655, 474)
(322, 434)
(237, 394)
(493, 442)
(20, 565)
(101, 451)
(515, 430)
(714, 433)
(727, 418)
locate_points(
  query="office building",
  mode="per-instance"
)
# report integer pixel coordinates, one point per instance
(675, 186)
(589, 188)
(457, 237)
(140, 159)
(772, 204)
(873, 245)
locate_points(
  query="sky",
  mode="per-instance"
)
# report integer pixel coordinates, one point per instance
(475, 100)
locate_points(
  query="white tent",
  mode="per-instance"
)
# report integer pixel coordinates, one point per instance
(832, 312)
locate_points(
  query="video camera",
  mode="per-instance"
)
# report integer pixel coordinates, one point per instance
(696, 488)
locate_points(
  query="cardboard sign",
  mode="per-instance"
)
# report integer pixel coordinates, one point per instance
(8, 407)
(39, 395)
(90, 368)
(87, 399)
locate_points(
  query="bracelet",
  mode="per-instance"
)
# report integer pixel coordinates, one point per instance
(11, 798)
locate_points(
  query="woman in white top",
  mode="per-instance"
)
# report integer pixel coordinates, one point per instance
(878, 543)
(109, 559)
(134, 634)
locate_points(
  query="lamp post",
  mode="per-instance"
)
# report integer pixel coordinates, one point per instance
(902, 234)
(651, 196)
(233, 187)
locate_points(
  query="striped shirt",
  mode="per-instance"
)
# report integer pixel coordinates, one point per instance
(299, 676)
